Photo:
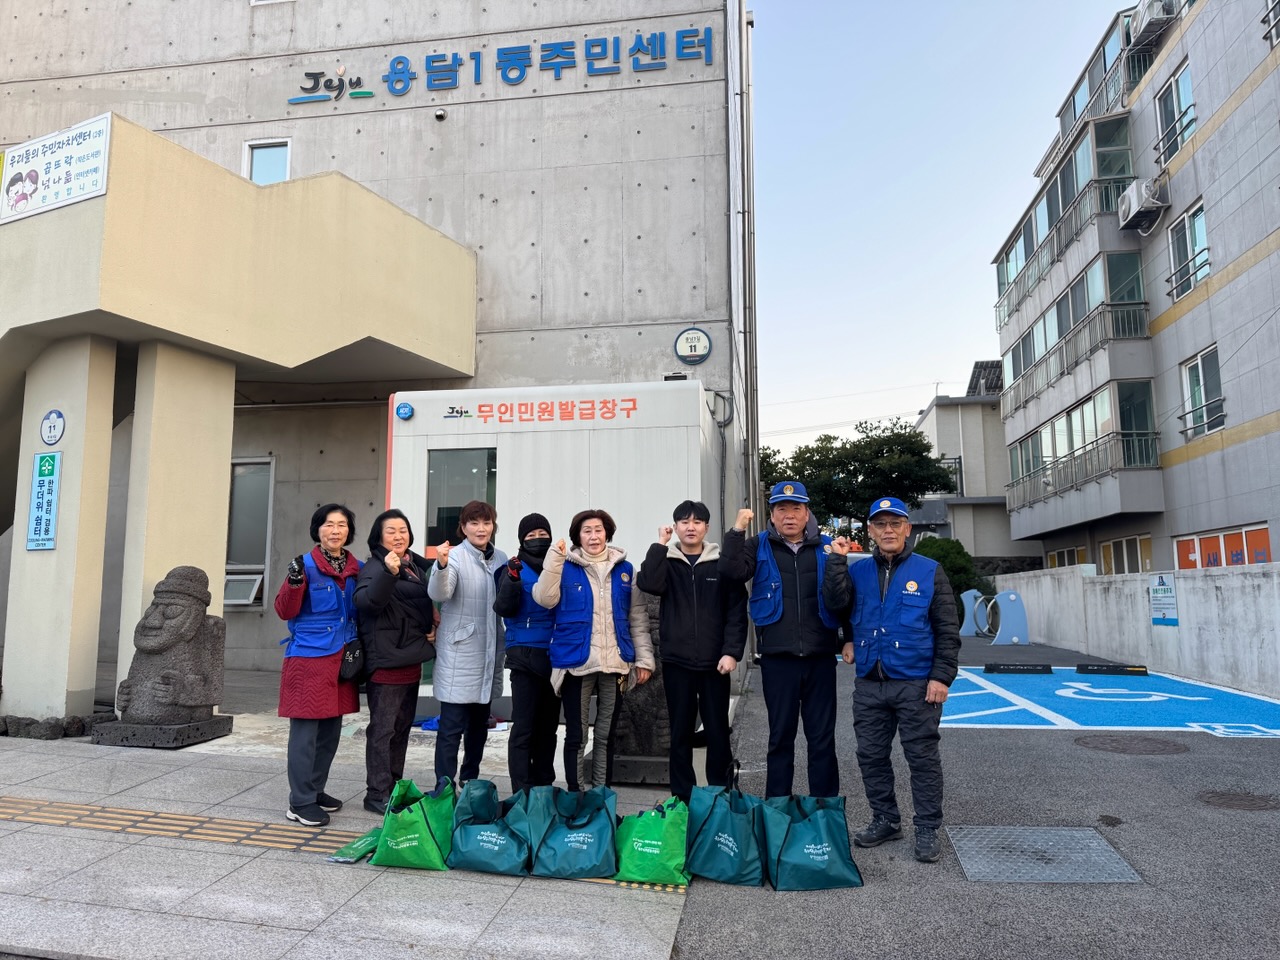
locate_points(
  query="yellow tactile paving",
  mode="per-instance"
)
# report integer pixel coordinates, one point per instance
(179, 825)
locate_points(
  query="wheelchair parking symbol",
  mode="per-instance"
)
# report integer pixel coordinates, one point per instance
(1086, 691)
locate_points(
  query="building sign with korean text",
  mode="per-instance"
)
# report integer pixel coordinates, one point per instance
(1164, 601)
(636, 53)
(42, 521)
(55, 170)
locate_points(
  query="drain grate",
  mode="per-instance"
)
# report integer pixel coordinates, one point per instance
(1133, 746)
(1227, 800)
(1038, 855)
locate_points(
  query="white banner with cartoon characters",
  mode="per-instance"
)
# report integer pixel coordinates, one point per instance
(56, 169)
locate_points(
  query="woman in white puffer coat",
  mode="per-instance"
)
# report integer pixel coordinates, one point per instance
(468, 640)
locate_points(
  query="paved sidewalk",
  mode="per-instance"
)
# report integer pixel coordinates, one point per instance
(129, 886)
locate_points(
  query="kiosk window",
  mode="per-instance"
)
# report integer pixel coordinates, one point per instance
(454, 478)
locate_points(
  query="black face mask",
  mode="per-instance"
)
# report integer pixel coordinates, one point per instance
(536, 546)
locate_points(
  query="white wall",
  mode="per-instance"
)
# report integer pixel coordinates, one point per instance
(1228, 628)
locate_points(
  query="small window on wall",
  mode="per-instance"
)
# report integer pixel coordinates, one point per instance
(1070, 557)
(266, 161)
(1231, 548)
(248, 532)
(1202, 394)
(1128, 555)
(454, 479)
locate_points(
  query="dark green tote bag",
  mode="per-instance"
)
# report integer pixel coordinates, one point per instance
(572, 833)
(490, 836)
(651, 845)
(807, 839)
(726, 836)
(417, 827)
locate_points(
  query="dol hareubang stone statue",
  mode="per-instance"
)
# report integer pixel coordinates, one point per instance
(175, 679)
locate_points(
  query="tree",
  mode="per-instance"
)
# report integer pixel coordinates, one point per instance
(957, 564)
(774, 467)
(844, 475)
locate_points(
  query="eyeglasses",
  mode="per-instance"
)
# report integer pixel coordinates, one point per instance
(897, 524)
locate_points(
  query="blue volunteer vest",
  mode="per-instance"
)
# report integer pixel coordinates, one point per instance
(327, 620)
(571, 638)
(766, 588)
(532, 626)
(896, 630)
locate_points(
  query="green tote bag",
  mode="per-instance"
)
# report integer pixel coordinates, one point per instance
(726, 836)
(807, 839)
(490, 836)
(651, 845)
(417, 827)
(573, 833)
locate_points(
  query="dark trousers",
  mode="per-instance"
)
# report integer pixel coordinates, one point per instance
(535, 718)
(881, 708)
(798, 688)
(577, 711)
(391, 709)
(312, 744)
(691, 693)
(465, 723)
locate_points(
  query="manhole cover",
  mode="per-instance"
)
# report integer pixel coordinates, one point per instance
(1038, 855)
(1227, 800)
(1133, 746)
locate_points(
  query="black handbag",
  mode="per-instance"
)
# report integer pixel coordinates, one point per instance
(352, 667)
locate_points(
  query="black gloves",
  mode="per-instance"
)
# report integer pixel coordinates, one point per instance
(514, 566)
(295, 571)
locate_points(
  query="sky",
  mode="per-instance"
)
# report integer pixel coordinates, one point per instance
(895, 145)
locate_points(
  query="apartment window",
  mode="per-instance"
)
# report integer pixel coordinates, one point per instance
(1070, 557)
(1127, 555)
(263, 3)
(248, 532)
(266, 161)
(1202, 394)
(1124, 278)
(1115, 159)
(1188, 252)
(454, 479)
(1175, 114)
(1237, 547)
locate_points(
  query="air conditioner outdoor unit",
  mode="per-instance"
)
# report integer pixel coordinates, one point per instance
(1140, 205)
(1149, 21)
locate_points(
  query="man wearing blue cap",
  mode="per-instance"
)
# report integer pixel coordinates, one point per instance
(906, 644)
(796, 635)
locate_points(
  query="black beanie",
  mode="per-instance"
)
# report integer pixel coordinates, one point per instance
(534, 521)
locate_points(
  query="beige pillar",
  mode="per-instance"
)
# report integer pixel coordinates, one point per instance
(51, 628)
(179, 478)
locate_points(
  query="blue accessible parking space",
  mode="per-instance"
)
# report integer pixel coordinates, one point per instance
(1067, 700)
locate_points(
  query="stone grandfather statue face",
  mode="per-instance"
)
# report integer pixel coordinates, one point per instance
(176, 612)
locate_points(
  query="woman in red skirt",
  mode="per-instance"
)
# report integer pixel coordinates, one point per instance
(317, 598)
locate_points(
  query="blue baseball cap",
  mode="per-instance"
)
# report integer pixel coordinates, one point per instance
(792, 490)
(888, 505)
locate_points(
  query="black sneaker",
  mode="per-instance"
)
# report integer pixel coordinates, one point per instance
(928, 845)
(375, 806)
(878, 831)
(309, 815)
(328, 804)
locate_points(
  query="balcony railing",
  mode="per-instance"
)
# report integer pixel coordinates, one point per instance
(1098, 196)
(955, 467)
(1103, 101)
(1111, 321)
(1103, 457)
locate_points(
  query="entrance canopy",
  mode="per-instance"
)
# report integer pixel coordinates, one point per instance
(317, 280)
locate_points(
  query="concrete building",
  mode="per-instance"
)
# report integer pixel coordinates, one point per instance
(967, 434)
(1136, 300)
(309, 206)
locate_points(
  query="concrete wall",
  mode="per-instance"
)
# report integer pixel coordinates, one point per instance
(1228, 628)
